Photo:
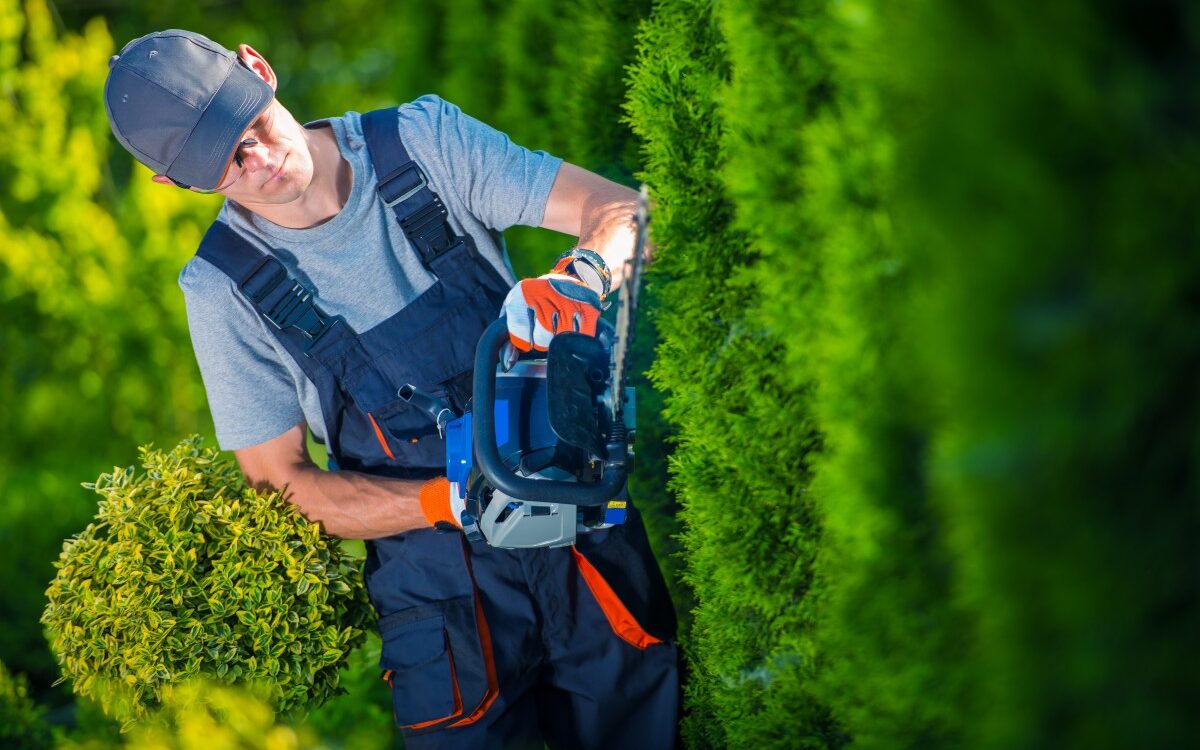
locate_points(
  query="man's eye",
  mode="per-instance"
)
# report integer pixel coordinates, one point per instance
(237, 155)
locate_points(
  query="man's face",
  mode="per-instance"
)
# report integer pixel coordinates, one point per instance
(275, 170)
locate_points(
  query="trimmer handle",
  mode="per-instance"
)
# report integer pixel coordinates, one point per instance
(487, 454)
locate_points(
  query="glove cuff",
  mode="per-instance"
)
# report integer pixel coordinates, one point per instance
(436, 502)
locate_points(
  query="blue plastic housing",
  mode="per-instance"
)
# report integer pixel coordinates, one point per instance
(458, 452)
(522, 425)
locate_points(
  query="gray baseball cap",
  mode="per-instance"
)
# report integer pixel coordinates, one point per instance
(179, 102)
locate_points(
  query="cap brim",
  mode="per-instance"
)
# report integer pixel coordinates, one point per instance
(205, 157)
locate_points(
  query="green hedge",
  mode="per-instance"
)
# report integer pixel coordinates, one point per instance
(891, 635)
(21, 721)
(927, 296)
(743, 432)
(1053, 213)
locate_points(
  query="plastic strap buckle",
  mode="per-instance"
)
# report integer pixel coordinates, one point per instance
(400, 184)
(432, 213)
(257, 289)
(296, 309)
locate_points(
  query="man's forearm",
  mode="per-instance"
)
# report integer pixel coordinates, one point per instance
(600, 212)
(609, 228)
(351, 505)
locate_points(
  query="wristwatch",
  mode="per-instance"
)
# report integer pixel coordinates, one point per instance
(587, 266)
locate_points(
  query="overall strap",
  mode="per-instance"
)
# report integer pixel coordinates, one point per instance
(404, 188)
(287, 304)
(324, 346)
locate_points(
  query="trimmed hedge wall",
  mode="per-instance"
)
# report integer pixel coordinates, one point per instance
(892, 633)
(743, 431)
(1053, 221)
(929, 342)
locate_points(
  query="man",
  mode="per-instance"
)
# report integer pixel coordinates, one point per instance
(359, 254)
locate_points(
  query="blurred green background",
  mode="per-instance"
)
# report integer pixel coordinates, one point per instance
(919, 443)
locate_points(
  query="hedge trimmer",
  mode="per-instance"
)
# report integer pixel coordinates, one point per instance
(542, 452)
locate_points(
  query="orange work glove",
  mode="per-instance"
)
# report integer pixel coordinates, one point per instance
(439, 504)
(536, 309)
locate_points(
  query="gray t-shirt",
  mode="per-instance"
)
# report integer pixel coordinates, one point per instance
(359, 263)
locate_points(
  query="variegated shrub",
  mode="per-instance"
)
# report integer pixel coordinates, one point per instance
(187, 571)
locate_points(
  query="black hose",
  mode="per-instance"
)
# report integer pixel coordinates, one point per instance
(438, 410)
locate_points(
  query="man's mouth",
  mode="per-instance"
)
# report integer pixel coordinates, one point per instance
(278, 171)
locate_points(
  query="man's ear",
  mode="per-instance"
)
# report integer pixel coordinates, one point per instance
(162, 179)
(258, 64)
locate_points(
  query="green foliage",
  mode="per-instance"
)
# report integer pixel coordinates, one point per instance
(204, 714)
(88, 725)
(1051, 214)
(21, 722)
(892, 638)
(967, 293)
(94, 341)
(743, 434)
(186, 571)
(362, 719)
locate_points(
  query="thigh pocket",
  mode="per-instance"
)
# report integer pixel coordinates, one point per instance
(437, 659)
(419, 666)
(407, 435)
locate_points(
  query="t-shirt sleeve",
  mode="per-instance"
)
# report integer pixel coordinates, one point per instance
(501, 183)
(251, 394)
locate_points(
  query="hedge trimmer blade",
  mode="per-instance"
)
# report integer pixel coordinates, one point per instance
(627, 311)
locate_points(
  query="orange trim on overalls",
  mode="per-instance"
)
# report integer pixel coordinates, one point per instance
(485, 643)
(458, 708)
(379, 435)
(493, 690)
(619, 618)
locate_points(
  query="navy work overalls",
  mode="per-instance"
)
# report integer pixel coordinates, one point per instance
(482, 647)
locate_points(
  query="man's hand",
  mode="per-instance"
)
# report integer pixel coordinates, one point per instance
(537, 309)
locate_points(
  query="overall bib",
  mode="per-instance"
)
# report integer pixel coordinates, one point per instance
(482, 647)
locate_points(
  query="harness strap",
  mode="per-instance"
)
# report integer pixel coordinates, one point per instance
(318, 342)
(286, 303)
(404, 188)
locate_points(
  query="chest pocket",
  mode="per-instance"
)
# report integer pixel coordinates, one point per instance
(430, 346)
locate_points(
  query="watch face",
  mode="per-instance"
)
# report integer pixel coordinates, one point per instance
(591, 269)
(588, 274)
